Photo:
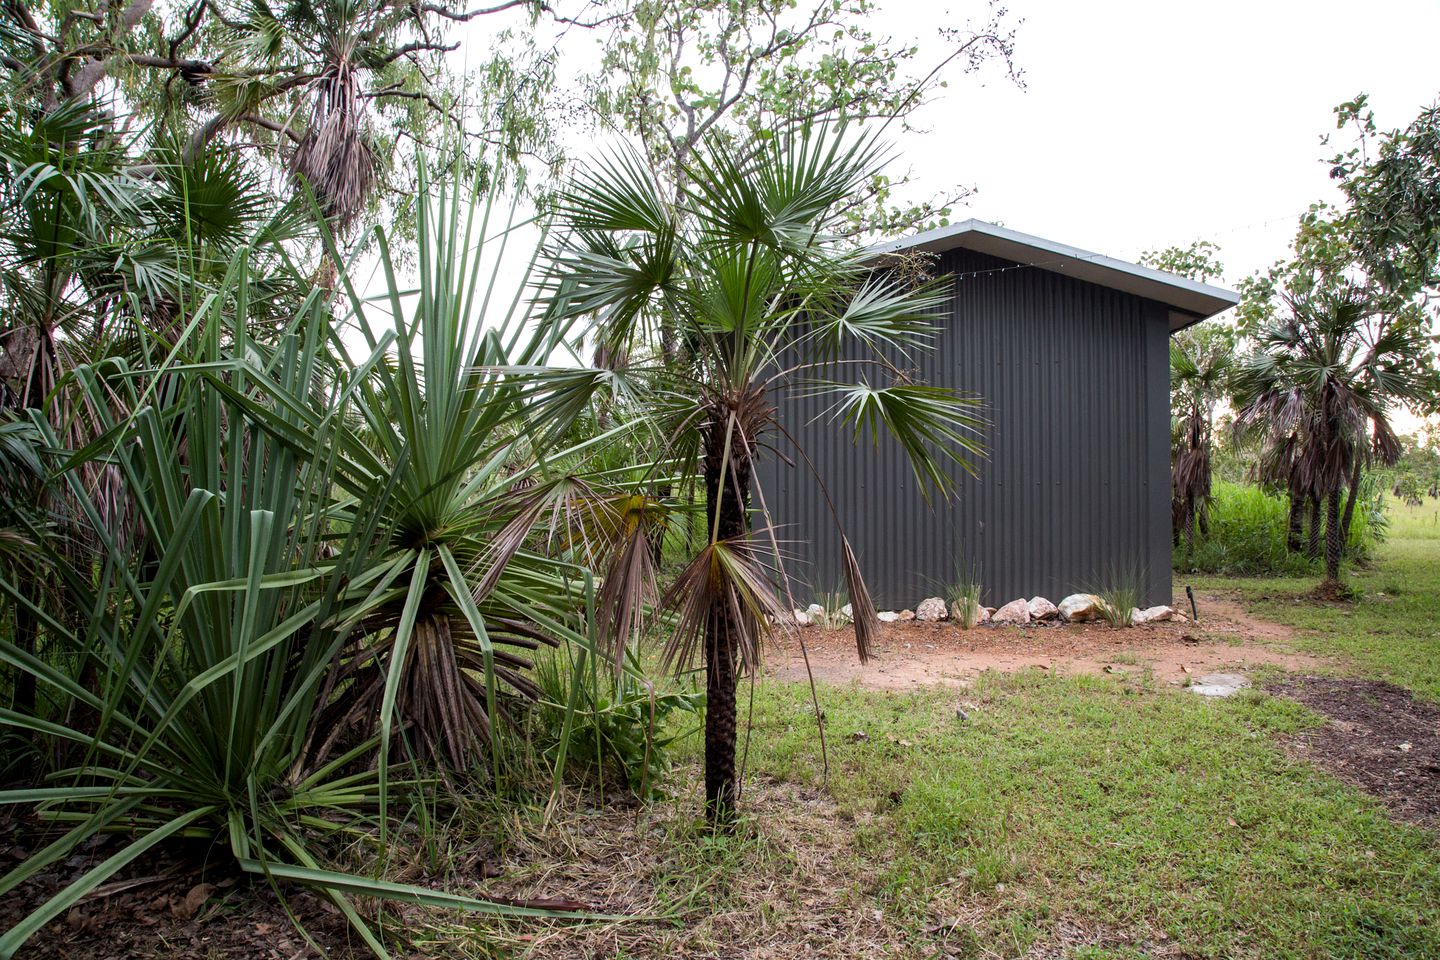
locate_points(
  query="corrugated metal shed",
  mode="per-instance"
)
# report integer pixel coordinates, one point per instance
(1074, 375)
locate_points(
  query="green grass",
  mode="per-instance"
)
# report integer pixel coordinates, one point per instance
(1117, 804)
(1392, 630)
(1129, 808)
(1148, 819)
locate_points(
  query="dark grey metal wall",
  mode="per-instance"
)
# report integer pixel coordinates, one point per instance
(1076, 485)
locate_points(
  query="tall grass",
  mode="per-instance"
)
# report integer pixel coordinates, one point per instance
(1248, 532)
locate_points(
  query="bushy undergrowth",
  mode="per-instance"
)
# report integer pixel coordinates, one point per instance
(614, 728)
(1248, 528)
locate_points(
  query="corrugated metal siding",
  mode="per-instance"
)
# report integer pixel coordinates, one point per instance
(1075, 381)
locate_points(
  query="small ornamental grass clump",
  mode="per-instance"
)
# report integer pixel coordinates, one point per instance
(964, 600)
(1120, 593)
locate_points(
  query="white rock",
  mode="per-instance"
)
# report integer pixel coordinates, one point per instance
(887, 616)
(802, 618)
(1042, 609)
(1219, 684)
(985, 614)
(931, 609)
(816, 612)
(848, 612)
(1016, 611)
(1080, 607)
(1154, 614)
(907, 614)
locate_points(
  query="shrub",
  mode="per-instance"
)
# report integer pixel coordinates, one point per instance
(964, 597)
(1248, 528)
(607, 724)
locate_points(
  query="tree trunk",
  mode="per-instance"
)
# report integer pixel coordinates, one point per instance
(1350, 505)
(1313, 549)
(1333, 540)
(1297, 522)
(721, 630)
(1189, 525)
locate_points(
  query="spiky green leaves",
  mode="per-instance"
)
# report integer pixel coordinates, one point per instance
(931, 424)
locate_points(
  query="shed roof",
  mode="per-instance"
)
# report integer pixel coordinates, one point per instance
(1189, 300)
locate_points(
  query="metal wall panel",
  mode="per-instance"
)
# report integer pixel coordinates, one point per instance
(1076, 485)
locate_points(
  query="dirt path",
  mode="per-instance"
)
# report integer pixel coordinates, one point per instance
(913, 654)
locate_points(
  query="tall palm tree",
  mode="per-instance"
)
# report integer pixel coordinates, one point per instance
(742, 266)
(1323, 382)
(1200, 363)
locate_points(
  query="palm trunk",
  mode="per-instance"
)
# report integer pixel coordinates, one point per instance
(1313, 549)
(1297, 522)
(1333, 539)
(1350, 505)
(1189, 525)
(721, 630)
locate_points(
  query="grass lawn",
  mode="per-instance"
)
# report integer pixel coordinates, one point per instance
(1047, 816)
(1392, 632)
(1152, 821)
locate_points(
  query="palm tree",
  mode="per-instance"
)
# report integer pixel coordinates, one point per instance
(1200, 362)
(743, 268)
(1322, 385)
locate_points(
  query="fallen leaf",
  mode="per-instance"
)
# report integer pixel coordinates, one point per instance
(194, 900)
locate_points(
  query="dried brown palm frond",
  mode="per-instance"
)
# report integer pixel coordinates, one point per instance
(730, 580)
(867, 624)
(335, 156)
(630, 590)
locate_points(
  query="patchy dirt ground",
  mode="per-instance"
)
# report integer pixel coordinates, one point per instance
(166, 905)
(1379, 738)
(911, 654)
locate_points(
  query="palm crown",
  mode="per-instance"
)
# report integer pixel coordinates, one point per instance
(743, 271)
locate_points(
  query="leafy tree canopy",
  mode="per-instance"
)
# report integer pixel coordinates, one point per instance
(331, 92)
(675, 72)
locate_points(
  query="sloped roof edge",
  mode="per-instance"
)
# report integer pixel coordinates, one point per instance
(1190, 301)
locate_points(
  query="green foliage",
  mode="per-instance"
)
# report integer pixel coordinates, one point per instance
(1248, 530)
(1121, 590)
(316, 97)
(965, 603)
(1199, 261)
(610, 725)
(674, 73)
(963, 595)
(303, 586)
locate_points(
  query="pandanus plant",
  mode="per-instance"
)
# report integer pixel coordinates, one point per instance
(330, 590)
(743, 267)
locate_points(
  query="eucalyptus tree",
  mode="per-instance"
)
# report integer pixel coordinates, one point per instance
(320, 92)
(744, 265)
(674, 72)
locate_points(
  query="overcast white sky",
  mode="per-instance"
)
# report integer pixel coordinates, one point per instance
(1145, 124)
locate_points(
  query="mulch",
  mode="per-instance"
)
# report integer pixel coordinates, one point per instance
(1379, 738)
(168, 904)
